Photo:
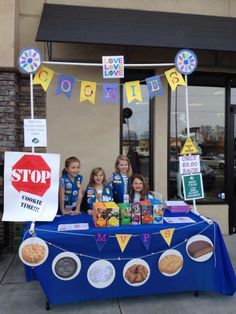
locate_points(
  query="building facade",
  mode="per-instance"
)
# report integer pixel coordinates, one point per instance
(151, 132)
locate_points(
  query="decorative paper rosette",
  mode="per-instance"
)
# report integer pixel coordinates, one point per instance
(29, 60)
(186, 61)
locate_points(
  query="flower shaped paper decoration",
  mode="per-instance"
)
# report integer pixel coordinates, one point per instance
(29, 60)
(186, 61)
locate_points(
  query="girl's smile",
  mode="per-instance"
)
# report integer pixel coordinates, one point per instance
(73, 169)
(137, 185)
(98, 178)
(123, 166)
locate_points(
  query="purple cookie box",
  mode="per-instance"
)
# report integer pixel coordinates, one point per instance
(179, 208)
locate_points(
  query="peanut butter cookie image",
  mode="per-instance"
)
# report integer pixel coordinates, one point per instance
(170, 263)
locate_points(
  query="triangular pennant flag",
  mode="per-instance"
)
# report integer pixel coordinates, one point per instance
(65, 85)
(174, 78)
(88, 91)
(189, 148)
(146, 240)
(167, 235)
(110, 93)
(43, 76)
(123, 240)
(154, 86)
(133, 91)
(101, 240)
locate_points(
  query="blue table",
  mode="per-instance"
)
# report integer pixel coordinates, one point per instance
(215, 274)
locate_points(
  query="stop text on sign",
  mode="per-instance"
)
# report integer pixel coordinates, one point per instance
(189, 164)
(27, 175)
(31, 174)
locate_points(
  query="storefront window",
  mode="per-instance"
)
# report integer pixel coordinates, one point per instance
(136, 133)
(207, 130)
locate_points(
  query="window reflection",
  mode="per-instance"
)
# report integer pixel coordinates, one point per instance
(136, 137)
(207, 131)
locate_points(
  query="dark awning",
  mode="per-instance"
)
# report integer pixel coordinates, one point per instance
(93, 25)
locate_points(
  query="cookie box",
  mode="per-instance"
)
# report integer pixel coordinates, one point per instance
(99, 214)
(146, 212)
(135, 213)
(125, 214)
(157, 211)
(112, 214)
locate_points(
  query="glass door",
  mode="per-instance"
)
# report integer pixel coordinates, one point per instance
(136, 128)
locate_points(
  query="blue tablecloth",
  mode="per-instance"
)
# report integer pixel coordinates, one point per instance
(215, 274)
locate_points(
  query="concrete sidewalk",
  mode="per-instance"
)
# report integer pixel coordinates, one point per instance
(17, 296)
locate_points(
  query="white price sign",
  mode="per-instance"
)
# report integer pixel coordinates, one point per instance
(189, 164)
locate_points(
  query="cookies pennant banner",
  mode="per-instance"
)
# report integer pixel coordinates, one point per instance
(43, 77)
(133, 91)
(154, 86)
(101, 240)
(111, 93)
(88, 91)
(123, 240)
(167, 235)
(146, 240)
(65, 85)
(174, 79)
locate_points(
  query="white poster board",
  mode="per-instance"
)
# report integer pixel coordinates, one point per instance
(31, 184)
(35, 133)
(189, 164)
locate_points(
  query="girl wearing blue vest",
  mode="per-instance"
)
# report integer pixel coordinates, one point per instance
(97, 190)
(120, 180)
(138, 188)
(70, 193)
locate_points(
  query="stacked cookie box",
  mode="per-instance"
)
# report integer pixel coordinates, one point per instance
(110, 214)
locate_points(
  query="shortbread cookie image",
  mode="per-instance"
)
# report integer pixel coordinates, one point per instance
(33, 251)
(170, 263)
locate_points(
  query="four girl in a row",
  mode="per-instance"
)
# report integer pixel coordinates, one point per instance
(122, 187)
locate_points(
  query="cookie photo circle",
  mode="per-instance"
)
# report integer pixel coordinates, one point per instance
(136, 272)
(170, 263)
(101, 274)
(33, 251)
(66, 266)
(199, 248)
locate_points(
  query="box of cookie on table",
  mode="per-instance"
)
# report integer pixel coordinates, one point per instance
(110, 214)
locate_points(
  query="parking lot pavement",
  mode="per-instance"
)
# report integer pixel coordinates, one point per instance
(18, 296)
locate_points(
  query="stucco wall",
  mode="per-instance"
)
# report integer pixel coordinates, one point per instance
(92, 132)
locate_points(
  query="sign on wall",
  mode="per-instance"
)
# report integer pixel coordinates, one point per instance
(30, 186)
(113, 66)
(35, 133)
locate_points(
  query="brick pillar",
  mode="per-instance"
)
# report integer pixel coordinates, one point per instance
(14, 108)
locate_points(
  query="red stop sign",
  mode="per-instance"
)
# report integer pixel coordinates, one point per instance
(31, 174)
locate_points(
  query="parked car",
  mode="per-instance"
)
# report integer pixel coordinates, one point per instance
(214, 162)
(208, 177)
